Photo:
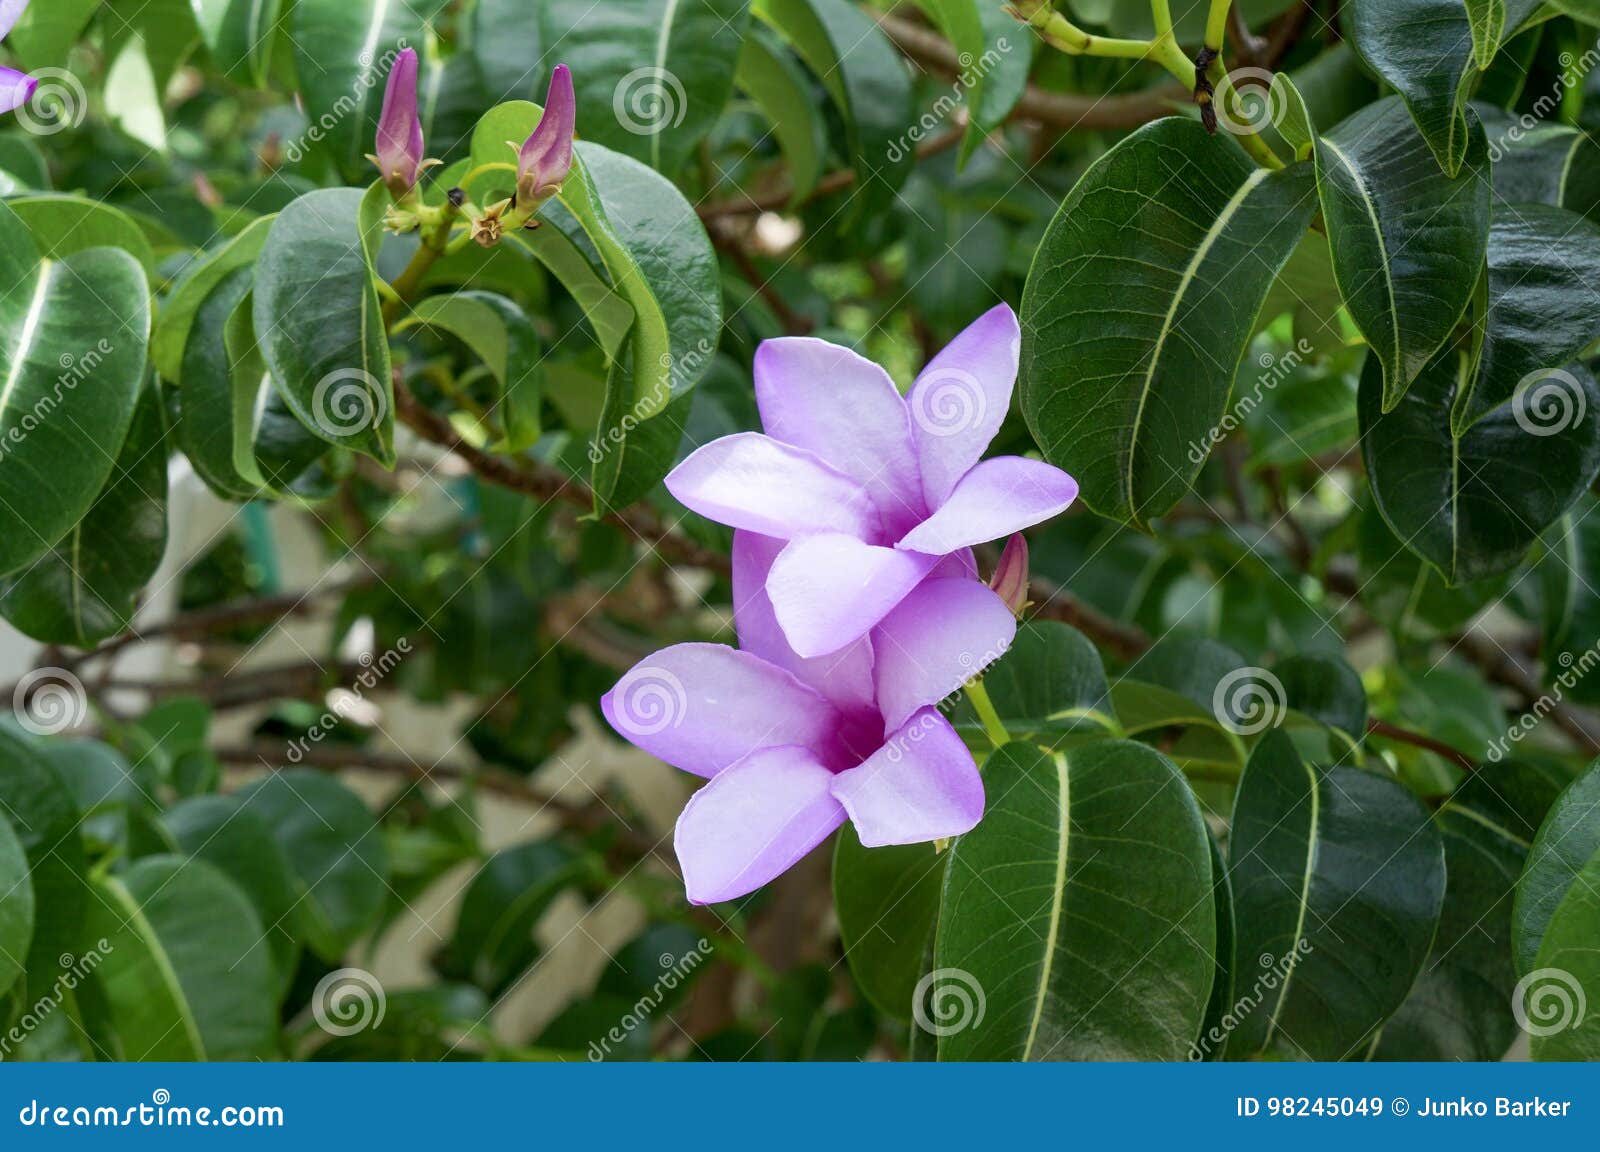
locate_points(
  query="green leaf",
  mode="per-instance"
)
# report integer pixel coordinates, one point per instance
(241, 35)
(1431, 52)
(16, 907)
(1549, 164)
(1327, 689)
(46, 32)
(1050, 683)
(335, 850)
(493, 941)
(1555, 998)
(887, 900)
(1214, 1032)
(651, 76)
(1567, 843)
(45, 818)
(239, 842)
(73, 336)
(1407, 241)
(995, 54)
(1130, 344)
(86, 588)
(182, 306)
(769, 76)
(1569, 583)
(505, 340)
(184, 974)
(1472, 505)
(343, 50)
(1078, 916)
(1460, 1007)
(63, 226)
(866, 79)
(324, 339)
(508, 45)
(1338, 878)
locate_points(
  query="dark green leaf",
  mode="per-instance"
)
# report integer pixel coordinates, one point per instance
(493, 941)
(505, 340)
(43, 814)
(1567, 842)
(887, 900)
(16, 906)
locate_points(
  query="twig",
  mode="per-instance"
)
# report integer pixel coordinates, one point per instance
(1405, 736)
(1126, 640)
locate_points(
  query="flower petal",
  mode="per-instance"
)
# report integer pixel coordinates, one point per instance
(921, 785)
(399, 141)
(995, 499)
(961, 398)
(757, 483)
(700, 707)
(753, 822)
(844, 677)
(16, 89)
(10, 12)
(826, 399)
(939, 637)
(828, 591)
(545, 158)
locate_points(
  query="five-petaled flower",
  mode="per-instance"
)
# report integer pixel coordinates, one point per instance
(16, 88)
(793, 747)
(873, 492)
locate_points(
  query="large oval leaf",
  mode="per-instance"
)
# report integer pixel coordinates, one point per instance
(317, 317)
(1140, 303)
(493, 940)
(182, 306)
(651, 76)
(1568, 840)
(73, 335)
(335, 849)
(185, 974)
(45, 817)
(16, 907)
(1338, 878)
(1077, 919)
(770, 76)
(887, 900)
(1555, 1001)
(87, 587)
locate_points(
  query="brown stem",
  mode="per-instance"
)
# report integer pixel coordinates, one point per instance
(1405, 736)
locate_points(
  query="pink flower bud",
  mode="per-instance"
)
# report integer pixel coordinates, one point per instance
(545, 157)
(399, 144)
(1010, 579)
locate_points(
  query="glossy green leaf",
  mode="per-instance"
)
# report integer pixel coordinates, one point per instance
(1407, 241)
(317, 315)
(87, 587)
(343, 50)
(1567, 843)
(1549, 164)
(73, 336)
(995, 55)
(887, 901)
(182, 306)
(1460, 1007)
(770, 77)
(185, 974)
(47, 31)
(1555, 999)
(1338, 878)
(45, 818)
(1213, 1038)
(1077, 918)
(335, 849)
(1327, 689)
(500, 335)
(1568, 576)
(1049, 684)
(493, 940)
(1129, 348)
(866, 79)
(16, 907)
(508, 46)
(241, 35)
(651, 76)
(63, 226)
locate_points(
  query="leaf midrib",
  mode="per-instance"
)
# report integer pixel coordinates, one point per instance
(169, 974)
(25, 341)
(1383, 252)
(1313, 833)
(1057, 900)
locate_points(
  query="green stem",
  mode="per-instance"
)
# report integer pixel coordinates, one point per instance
(435, 243)
(1217, 24)
(987, 716)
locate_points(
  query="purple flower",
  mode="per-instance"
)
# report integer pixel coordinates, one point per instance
(399, 143)
(545, 157)
(16, 88)
(872, 491)
(792, 747)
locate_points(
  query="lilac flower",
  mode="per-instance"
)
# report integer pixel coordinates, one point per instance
(872, 491)
(793, 747)
(545, 157)
(399, 143)
(16, 88)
